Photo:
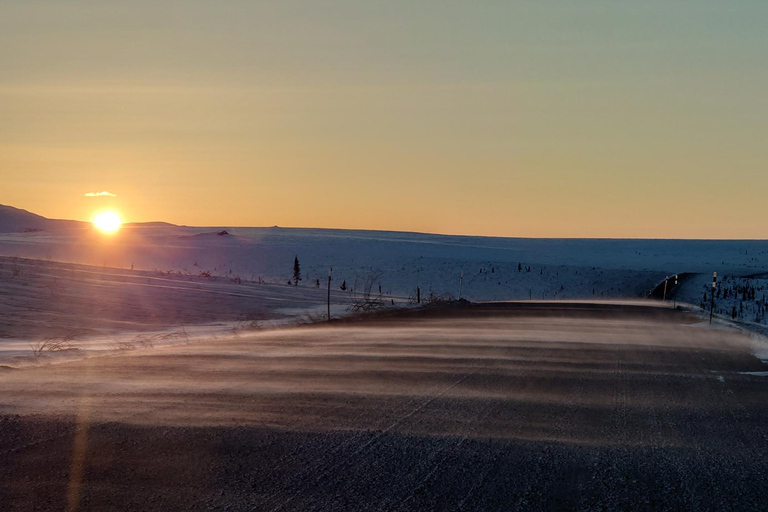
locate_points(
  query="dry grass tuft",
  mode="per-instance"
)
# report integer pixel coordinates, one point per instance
(66, 343)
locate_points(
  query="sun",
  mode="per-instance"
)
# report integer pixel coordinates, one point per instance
(108, 222)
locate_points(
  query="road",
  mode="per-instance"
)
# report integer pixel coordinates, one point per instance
(565, 406)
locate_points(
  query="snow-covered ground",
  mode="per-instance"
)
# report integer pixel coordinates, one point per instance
(739, 299)
(151, 278)
(494, 268)
(79, 308)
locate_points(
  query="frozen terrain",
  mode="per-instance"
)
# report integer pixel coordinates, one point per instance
(493, 268)
(86, 309)
(59, 276)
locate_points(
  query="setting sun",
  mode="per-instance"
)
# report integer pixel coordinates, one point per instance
(108, 222)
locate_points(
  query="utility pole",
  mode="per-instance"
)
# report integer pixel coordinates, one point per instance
(329, 293)
(712, 302)
(461, 281)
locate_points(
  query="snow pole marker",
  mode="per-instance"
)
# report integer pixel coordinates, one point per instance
(674, 303)
(712, 302)
(329, 293)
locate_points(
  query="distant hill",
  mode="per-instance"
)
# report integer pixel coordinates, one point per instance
(16, 220)
(154, 224)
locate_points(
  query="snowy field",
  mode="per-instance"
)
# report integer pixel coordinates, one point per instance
(86, 309)
(494, 268)
(63, 278)
(740, 299)
(161, 277)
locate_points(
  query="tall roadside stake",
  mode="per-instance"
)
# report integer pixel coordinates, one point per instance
(712, 302)
(329, 293)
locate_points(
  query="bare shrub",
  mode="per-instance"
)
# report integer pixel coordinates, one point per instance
(52, 345)
(143, 341)
(148, 341)
(176, 335)
(364, 299)
(433, 298)
(66, 343)
(246, 325)
(311, 319)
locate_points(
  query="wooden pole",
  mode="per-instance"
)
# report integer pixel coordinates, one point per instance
(712, 301)
(329, 294)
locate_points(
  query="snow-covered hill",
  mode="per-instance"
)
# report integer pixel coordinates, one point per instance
(493, 268)
(16, 220)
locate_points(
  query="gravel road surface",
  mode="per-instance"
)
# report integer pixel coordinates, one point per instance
(537, 406)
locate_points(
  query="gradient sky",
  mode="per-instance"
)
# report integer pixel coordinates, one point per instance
(586, 118)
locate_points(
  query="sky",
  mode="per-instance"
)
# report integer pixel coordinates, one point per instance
(588, 118)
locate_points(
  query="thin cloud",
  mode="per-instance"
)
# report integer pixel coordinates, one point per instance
(100, 194)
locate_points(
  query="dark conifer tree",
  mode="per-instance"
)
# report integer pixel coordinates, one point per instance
(296, 271)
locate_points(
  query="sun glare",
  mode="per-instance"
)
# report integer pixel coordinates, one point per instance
(108, 222)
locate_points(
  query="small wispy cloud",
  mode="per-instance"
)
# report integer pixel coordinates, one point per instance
(100, 194)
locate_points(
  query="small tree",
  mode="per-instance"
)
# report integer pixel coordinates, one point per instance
(296, 271)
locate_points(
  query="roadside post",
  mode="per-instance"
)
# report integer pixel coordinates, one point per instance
(329, 293)
(666, 280)
(674, 299)
(712, 302)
